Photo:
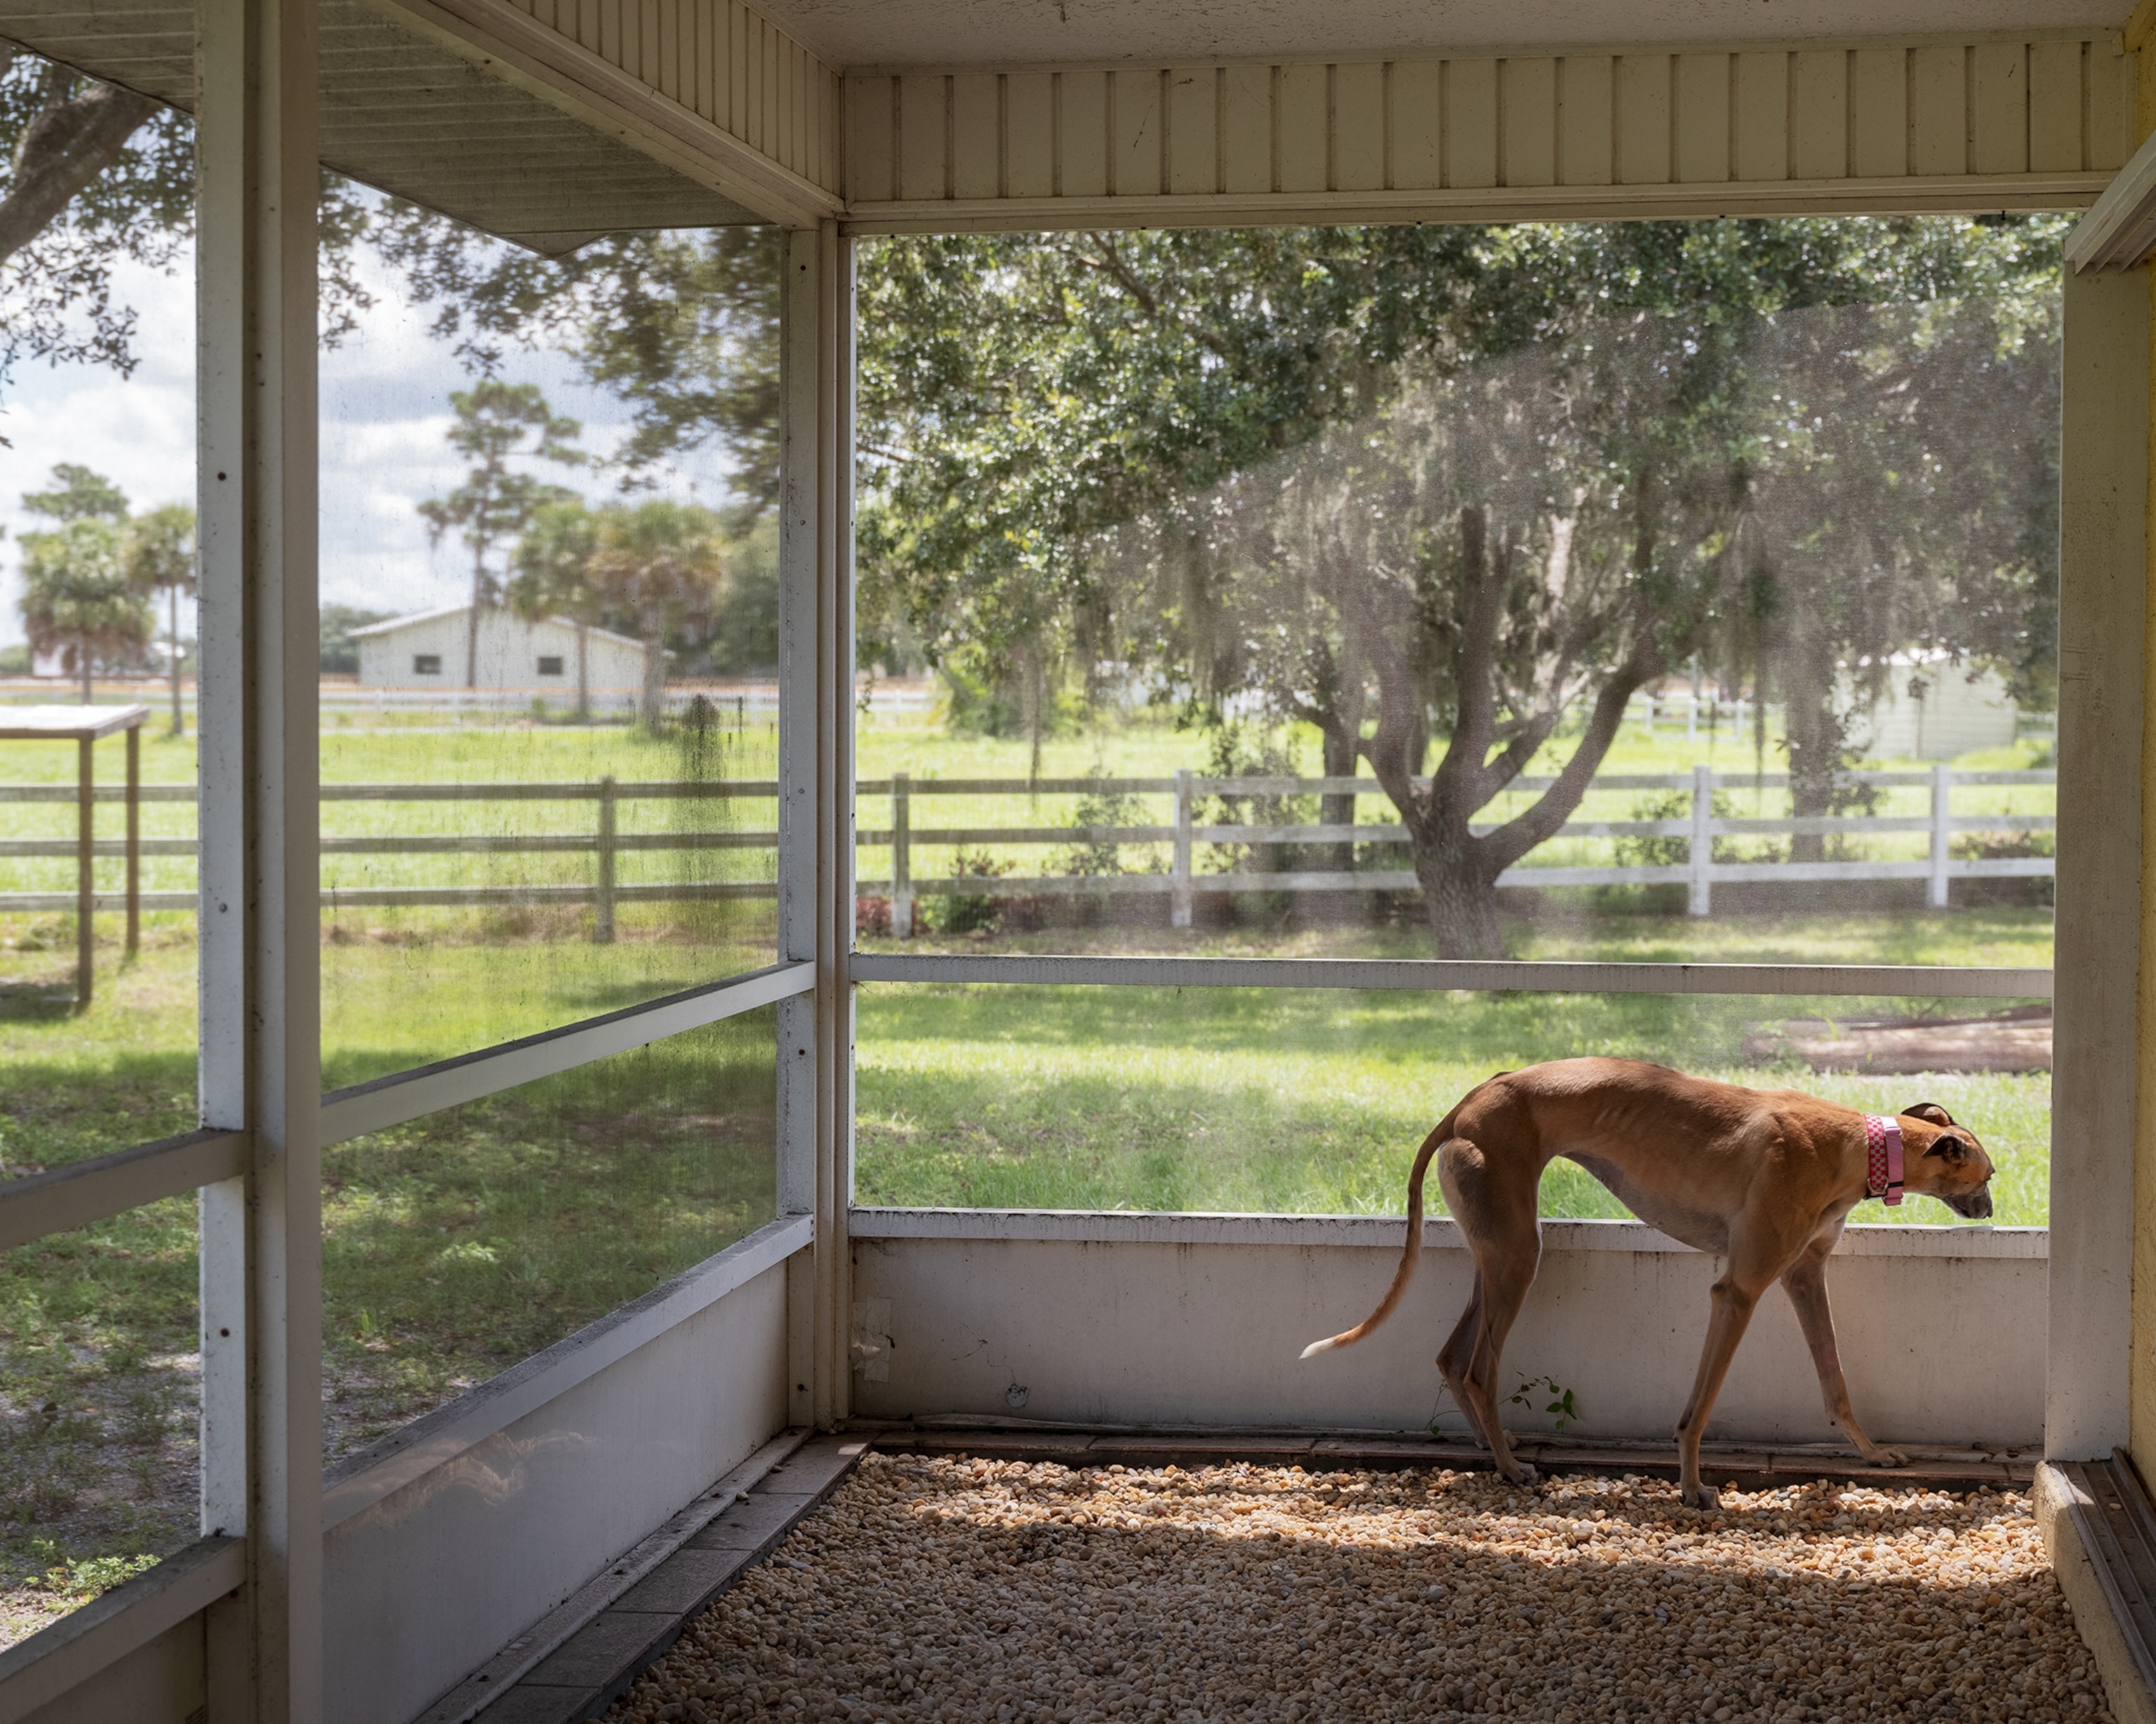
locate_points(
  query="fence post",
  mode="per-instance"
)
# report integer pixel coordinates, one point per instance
(901, 856)
(1179, 902)
(1701, 858)
(1942, 834)
(602, 922)
(134, 839)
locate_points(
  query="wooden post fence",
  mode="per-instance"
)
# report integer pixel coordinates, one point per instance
(901, 856)
(1185, 800)
(603, 920)
(1936, 895)
(1700, 900)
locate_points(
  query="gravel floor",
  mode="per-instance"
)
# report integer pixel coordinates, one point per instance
(936, 1589)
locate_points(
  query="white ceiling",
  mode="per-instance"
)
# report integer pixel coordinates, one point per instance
(859, 34)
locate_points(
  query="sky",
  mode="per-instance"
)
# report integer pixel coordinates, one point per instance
(384, 413)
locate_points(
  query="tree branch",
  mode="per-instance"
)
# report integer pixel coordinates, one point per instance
(72, 140)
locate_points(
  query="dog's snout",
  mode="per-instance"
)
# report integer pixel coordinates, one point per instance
(1972, 1205)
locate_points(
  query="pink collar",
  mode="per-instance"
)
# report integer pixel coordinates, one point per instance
(1882, 1158)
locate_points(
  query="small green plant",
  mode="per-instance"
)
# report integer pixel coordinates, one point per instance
(147, 1416)
(1561, 1406)
(84, 1578)
(1091, 858)
(969, 913)
(1248, 750)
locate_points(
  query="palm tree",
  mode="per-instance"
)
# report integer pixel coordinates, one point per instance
(161, 558)
(495, 503)
(661, 564)
(76, 595)
(553, 579)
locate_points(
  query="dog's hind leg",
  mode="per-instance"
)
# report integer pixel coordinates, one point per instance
(1806, 1282)
(1500, 1222)
(1455, 1356)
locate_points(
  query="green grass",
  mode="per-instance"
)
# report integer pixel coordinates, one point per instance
(1305, 1102)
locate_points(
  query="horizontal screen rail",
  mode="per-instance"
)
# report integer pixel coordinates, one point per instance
(65, 1655)
(40, 1204)
(1906, 980)
(384, 1102)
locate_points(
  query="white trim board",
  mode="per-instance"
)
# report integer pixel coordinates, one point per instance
(1386, 1232)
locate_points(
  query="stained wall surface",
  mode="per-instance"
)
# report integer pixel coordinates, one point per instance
(1197, 1321)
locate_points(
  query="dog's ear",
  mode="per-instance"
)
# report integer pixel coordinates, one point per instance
(1951, 1149)
(1930, 1112)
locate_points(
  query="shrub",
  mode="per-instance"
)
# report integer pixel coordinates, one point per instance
(1091, 858)
(966, 913)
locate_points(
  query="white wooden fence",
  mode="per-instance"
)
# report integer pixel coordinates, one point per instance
(1700, 873)
(605, 841)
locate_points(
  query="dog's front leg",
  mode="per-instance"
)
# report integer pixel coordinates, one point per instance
(1735, 1294)
(1805, 1279)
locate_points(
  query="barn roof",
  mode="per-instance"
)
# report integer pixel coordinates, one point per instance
(442, 613)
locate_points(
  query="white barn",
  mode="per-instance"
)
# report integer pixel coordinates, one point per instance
(429, 650)
(1953, 714)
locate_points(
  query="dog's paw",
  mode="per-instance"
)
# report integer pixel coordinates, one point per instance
(1523, 1475)
(1890, 1457)
(1706, 1498)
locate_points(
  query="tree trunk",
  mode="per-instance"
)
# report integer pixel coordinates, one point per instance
(179, 720)
(1340, 754)
(654, 683)
(583, 672)
(471, 629)
(1459, 895)
(1813, 734)
(82, 664)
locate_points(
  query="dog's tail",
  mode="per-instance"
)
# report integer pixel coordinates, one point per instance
(1405, 1272)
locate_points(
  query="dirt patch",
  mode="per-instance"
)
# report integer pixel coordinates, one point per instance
(2016, 1043)
(977, 1591)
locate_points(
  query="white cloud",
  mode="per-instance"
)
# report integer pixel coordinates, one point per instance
(383, 415)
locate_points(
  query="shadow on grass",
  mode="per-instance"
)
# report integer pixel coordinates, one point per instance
(38, 1002)
(53, 1112)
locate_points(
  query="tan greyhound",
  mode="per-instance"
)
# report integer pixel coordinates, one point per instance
(1763, 1178)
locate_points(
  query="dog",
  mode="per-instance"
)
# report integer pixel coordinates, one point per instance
(1762, 1178)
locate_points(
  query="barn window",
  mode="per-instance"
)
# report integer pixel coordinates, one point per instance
(550, 664)
(426, 663)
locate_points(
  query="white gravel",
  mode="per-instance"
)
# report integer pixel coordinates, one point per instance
(939, 1588)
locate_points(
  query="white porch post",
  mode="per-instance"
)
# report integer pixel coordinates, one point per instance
(261, 1060)
(816, 809)
(2104, 467)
